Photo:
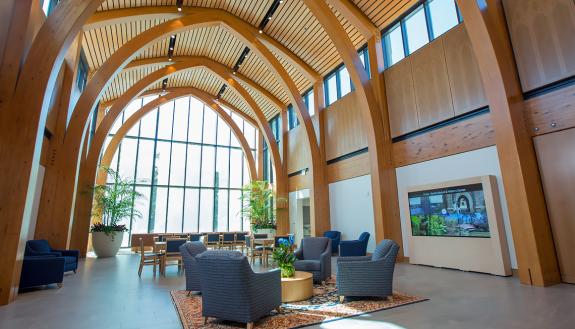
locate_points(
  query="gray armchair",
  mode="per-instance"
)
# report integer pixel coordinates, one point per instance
(314, 256)
(368, 276)
(232, 291)
(189, 251)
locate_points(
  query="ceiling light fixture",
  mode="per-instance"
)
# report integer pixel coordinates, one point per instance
(261, 31)
(180, 4)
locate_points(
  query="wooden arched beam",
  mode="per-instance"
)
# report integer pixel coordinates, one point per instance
(23, 114)
(162, 60)
(355, 16)
(201, 95)
(109, 17)
(89, 166)
(383, 180)
(487, 29)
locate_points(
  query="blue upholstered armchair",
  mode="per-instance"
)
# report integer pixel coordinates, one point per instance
(354, 247)
(42, 248)
(335, 237)
(314, 256)
(232, 291)
(189, 251)
(368, 276)
(42, 270)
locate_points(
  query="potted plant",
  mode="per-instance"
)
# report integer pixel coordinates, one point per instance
(258, 205)
(113, 202)
(284, 257)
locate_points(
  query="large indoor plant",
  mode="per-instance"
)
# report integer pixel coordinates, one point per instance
(284, 257)
(258, 205)
(113, 202)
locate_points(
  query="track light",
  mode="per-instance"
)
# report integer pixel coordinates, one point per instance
(261, 31)
(234, 72)
(173, 36)
(180, 3)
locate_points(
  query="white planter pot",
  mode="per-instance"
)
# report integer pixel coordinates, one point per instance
(107, 245)
(268, 231)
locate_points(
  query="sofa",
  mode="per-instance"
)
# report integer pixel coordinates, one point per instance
(335, 237)
(232, 291)
(42, 270)
(314, 256)
(368, 276)
(354, 247)
(42, 248)
(189, 251)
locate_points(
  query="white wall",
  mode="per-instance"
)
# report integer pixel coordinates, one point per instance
(351, 208)
(36, 204)
(475, 163)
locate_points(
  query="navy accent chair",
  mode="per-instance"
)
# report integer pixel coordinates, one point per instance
(368, 276)
(354, 247)
(42, 248)
(42, 270)
(335, 237)
(232, 291)
(314, 256)
(189, 251)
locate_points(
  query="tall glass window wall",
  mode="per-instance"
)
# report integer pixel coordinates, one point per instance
(188, 165)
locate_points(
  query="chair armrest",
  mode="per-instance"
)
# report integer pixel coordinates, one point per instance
(349, 242)
(298, 253)
(266, 286)
(69, 253)
(44, 254)
(359, 267)
(353, 259)
(42, 270)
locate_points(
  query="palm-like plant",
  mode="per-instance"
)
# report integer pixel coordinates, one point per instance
(114, 202)
(258, 205)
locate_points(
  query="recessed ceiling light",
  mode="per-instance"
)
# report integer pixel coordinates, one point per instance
(261, 31)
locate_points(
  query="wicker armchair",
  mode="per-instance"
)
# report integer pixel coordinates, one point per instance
(232, 291)
(314, 256)
(189, 251)
(368, 276)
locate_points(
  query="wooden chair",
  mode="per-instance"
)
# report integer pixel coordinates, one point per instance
(147, 259)
(240, 241)
(228, 240)
(212, 240)
(173, 253)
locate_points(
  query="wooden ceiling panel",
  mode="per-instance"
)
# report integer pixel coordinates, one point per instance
(269, 109)
(254, 68)
(384, 12)
(125, 80)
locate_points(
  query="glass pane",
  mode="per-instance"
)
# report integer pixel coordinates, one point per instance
(145, 162)
(345, 81)
(393, 45)
(222, 207)
(181, 119)
(235, 211)
(236, 168)
(128, 157)
(223, 133)
(178, 164)
(159, 202)
(114, 164)
(141, 206)
(246, 173)
(240, 122)
(196, 117)
(331, 90)
(148, 124)
(165, 123)
(416, 30)
(206, 210)
(210, 121)
(250, 133)
(129, 111)
(162, 162)
(193, 165)
(148, 99)
(223, 166)
(310, 103)
(208, 166)
(443, 16)
(175, 209)
(117, 124)
(191, 210)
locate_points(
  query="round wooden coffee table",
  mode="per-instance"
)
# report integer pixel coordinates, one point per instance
(297, 288)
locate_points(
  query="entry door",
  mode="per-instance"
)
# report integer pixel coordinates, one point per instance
(556, 155)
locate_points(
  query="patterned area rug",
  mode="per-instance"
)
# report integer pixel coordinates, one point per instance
(323, 306)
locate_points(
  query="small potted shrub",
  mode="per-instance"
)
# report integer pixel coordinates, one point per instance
(284, 257)
(112, 203)
(258, 205)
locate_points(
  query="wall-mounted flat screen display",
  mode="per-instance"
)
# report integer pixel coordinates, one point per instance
(457, 211)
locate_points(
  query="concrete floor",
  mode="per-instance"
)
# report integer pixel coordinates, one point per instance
(107, 293)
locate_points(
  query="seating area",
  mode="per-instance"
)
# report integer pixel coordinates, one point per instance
(284, 164)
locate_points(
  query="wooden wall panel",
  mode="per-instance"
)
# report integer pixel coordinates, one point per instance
(431, 84)
(551, 112)
(556, 155)
(464, 77)
(543, 37)
(299, 182)
(464, 136)
(348, 168)
(344, 131)
(298, 150)
(401, 98)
